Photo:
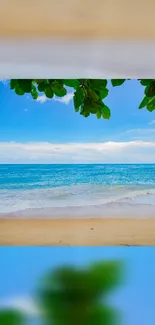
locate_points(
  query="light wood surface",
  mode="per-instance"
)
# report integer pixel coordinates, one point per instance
(73, 232)
(77, 18)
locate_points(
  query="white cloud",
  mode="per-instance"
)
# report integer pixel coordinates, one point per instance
(152, 122)
(145, 134)
(65, 100)
(23, 304)
(42, 99)
(106, 152)
(141, 131)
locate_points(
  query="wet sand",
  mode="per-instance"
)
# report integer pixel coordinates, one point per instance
(81, 232)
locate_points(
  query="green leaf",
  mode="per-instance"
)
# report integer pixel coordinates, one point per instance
(107, 275)
(94, 106)
(106, 112)
(151, 105)
(55, 84)
(58, 89)
(25, 85)
(144, 102)
(59, 81)
(42, 86)
(85, 114)
(52, 80)
(37, 81)
(150, 90)
(98, 84)
(60, 92)
(19, 91)
(34, 94)
(104, 93)
(145, 82)
(10, 317)
(93, 110)
(78, 98)
(92, 94)
(74, 83)
(49, 92)
(13, 83)
(99, 104)
(98, 114)
(117, 82)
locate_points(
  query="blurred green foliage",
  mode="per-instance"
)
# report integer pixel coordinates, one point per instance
(89, 94)
(11, 317)
(73, 296)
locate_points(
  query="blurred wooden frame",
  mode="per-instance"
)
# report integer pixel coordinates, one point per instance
(78, 18)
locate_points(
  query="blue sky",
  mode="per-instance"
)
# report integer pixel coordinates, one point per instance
(23, 266)
(49, 131)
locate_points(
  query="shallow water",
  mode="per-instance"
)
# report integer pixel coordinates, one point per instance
(48, 186)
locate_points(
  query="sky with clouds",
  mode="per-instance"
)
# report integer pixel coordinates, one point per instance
(49, 131)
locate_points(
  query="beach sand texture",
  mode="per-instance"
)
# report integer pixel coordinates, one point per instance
(76, 18)
(77, 232)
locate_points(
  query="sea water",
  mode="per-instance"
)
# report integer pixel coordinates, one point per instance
(54, 186)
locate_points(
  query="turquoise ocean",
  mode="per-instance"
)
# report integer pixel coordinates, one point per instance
(53, 186)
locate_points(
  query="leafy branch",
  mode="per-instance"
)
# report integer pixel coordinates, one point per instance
(73, 296)
(89, 94)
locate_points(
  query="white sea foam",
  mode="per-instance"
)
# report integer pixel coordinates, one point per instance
(74, 196)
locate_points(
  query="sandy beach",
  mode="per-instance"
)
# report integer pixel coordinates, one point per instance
(108, 19)
(72, 232)
(117, 224)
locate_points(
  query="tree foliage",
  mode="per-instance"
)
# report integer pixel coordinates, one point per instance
(11, 317)
(79, 296)
(89, 94)
(72, 296)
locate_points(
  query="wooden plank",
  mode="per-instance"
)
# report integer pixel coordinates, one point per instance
(78, 18)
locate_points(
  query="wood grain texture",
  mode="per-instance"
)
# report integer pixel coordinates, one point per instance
(77, 18)
(76, 232)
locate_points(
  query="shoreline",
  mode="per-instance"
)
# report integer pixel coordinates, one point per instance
(77, 232)
(100, 211)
